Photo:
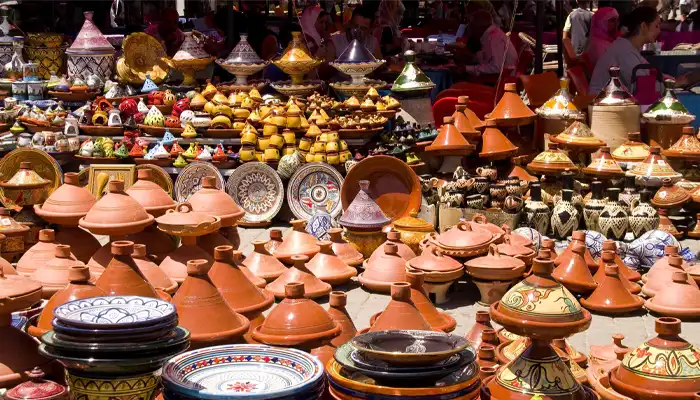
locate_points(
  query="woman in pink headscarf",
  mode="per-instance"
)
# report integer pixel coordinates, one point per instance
(316, 25)
(603, 32)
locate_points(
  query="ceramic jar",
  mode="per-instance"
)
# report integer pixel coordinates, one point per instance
(537, 214)
(613, 221)
(565, 216)
(629, 193)
(643, 217)
(413, 230)
(320, 222)
(594, 206)
(90, 53)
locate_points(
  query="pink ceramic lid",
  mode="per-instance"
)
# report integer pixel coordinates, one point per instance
(90, 39)
(363, 212)
(36, 388)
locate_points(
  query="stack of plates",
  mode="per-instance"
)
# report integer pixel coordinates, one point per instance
(242, 371)
(114, 335)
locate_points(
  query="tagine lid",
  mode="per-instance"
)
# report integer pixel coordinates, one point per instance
(25, 179)
(561, 105)
(69, 201)
(149, 194)
(411, 77)
(36, 388)
(604, 165)
(413, 223)
(296, 320)
(450, 139)
(432, 260)
(678, 299)
(363, 212)
(116, 213)
(687, 146)
(654, 166)
(494, 143)
(632, 150)
(8, 225)
(611, 296)
(463, 123)
(183, 220)
(215, 202)
(643, 374)
(191, 48)
(614, 93)
(495, 266)
(296, 51)
(670, 195)
(474, 119)
(355, 52)
(90, 39)
(668, 109)
(20, 290)
(551, 160)
(511, 107)
(464, 236)
(578, 134)
(243, 54)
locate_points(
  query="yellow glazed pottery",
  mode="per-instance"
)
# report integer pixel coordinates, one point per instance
(296, 60)
(413, 230)
(365, 241)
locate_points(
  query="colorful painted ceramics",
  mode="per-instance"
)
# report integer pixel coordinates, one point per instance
(561, 105)
(670, 196)
(633, 150)
(258, 190)
(242, 61)
(654, 169)
(687, 147)
(604, 166)
(314, 183)
(668, 109)
(552, 161)
(412, 80)
(189, 180)
(614, 93)
(115, 311)
(363, 212)
(578, 136)
(91, 53)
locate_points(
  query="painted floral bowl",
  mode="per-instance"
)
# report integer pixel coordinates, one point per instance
(407, 347)
(242, 71)
(115, 312)
(242, 372)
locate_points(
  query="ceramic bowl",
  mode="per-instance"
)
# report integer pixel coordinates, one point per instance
(118, 312)
(177, 337)
(114, 334)
(409, 347)
(242, 372)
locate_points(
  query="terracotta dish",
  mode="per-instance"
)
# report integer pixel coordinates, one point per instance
(678, 299)
(401, 313)
(298, 272)
(297, 242)
(510, 110)
(328, 267)
(379, 275)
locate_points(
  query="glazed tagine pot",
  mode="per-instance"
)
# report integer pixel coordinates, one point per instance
(687, 147)
(243, 61)
(297, 242)
(328, 267)
(187, 224)
(558, 111)
(90, 53)
(574, 273)
(379, 275)
(577, 237)
(631, 152)
(64, 207)
(466, 121)
(299, 272)
(122, 277)
(678, 299)
(191, 57)
(296, 61)
(437, 267)
(653, 170)
(337, 301)
(578, 137)
(356, 61)
(551, 162)
(614, 112)
(37, 388)
(364, 220)
(666, 119)
(664, 276)
(262, 264)
(510, 110)
(412, 81)
(541, 309)
(641, 375)
(604, 167)
(463, 240)
(216, 203)
(25, 189)
(15, 242)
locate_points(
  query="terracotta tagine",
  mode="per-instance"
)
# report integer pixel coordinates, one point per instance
(677, 299)
(641, 376)
(328, 267)
(297, 242)
(197, 300)
(404, 251)
(262, 264)
(401, 313)
(663, 277)
(275, 241)
(495, 266)
(154, 275)
(479, 221)
(494, 144)
(337, 301)
(465, 123)
(298, 272)
(54, 275)
(79, 287)
(510, 110)
(344, 250)
(574, 273)
(379, 275)
(239, 292)
(450, 141)
(670, 196)
(654, 169)
(25, 187)
(512, 247)
(600, 274)
(577, 237)
(611, 296)
(39, 254)
(297, 322)
(604, 167)
(608, 352)
(122, 276)
(473, 119)
(217, 203)
(413, 230)
(631, 151)
(662, 264)
(150, 195)
(437, 267)
(666, 225)
(551, 161)
(521, 173)
(463, 240)
(158, 243)
(102, 220)
(624, 270)
(578, 136)
(482, 321)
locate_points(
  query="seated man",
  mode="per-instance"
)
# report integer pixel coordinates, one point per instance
(497, 52)
(361, 20)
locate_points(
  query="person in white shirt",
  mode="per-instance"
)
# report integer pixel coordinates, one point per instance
(497, 52)
(578, 26)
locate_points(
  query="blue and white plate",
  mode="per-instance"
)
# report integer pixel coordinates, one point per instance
(115, 312)
(242, 372)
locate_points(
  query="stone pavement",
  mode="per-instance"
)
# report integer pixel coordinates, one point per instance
(463, 307)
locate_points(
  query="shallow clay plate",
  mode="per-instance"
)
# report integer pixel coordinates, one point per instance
(392, 183)
(407, 347)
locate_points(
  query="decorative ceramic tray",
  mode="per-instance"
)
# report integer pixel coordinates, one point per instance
(314, 183)
(84, 334)
(257, 189)
(114, 311)
(410, 347)
(242, 371)
(190, 179)
(42, 163)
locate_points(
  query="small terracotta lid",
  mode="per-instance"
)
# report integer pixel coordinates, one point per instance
(516, 239)
(296, 321)
(688, 146)
(297, 242)
(464, 236)
(633, 150)
(25, 179)
(401, 313)
(344, 250)
(19, 291)
(36, 388)
(393, 236)
(450, 140)
(482, 321)
(474, 119)
(678, 299)
(511, 110)
(432, 260)
(184, 221)
(215, 202)
(363, 212)
(116, 213)
(510, 249)
(439, 321)
(604, 166)
(495, 266)
(578, 136)
(67, 204)
(494, 144)
(663, 277)
(150, 195)
(385, 270)
(611, 296)
(154, 275)
(600, 275)
(624, 270)
(262, 264)
(574, 274)
(54, 275)
(662, 263)
(328, 267)
(576, 237)
(298, 272)
(479, 221)
(670, 196)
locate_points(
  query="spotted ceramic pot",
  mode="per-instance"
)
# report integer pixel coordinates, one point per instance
(154, 117)
(613, 221)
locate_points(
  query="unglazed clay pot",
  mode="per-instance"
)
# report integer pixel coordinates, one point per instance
(624, 270)
(403, 250)
(54, 274)
(600, 275)
(276, 240)
(67, 204)
(662, 264)
(150, 195)
(158, 243)
(209, 242)
(678, 299)
(578, 237)
(83, 243)
(344, 250)
(262, 264)
(122, 276)
(299, 273)
(216, 203)
(486, 358)
(337, 301)
(297, 242)
(611, 296)
(437, 267)
(663, 277)
(495, 267)
(78, 288)
(39, 254)
(203, 311)
(574, 274)
(154, 275)
(103, 220)
(640, 376)
(387, 269)
(482, 321)
(401, 313)
(328, 267)
(240, 293)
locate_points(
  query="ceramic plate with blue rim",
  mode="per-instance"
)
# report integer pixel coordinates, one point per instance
(114, 312)
(242, 372)
(115, 334)
(176, 337)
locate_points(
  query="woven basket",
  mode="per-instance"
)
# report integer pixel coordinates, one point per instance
(613, 123)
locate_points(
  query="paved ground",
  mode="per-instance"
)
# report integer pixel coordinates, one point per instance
(462, 306)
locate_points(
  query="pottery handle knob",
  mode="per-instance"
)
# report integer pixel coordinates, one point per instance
(183, 207)
(479, 218)
(464, 226)
(493, 250)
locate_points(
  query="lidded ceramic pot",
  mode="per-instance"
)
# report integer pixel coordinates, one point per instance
(482, 321)
(344, 250)
(464, 240)
(631, 151)
(640, 375)
(275, 241)
(678, 299)
(450, 141)
(103, 220)
(154, 275)
(670, 196)
(337, 301)
(262, 264)
(202, 310)
(479, 221)
(653, 170)
(122, 276)
(215, 202)
(401, 313)
(625, 271)
(150, 195)
(297, 242)
(577, 237)
(25, 187)
(574, 274)
(611, 296)
(465, 123)
(561, 105)
(356, 60)
(663, 276)
(474, 121)
(242, 61)
(393, 236)
(54, 275)
(494, 144)
(510, 110)
(91, 53)
(412, 80)
(191, 57)
(298, 272)
(687, 147)
(551, 162)
(614, 112)
(296, 60)
(438, 268)
(388, 268)
(604, 167)
(67, 204)
(363, 213)
(328, 267)
(666, 119)
(663, 264)
(37, 388)
(578, 136)
(495, 266)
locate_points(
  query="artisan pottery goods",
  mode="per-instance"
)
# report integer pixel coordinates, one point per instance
(143, 56)
(661, 265)
(578, 136)
(388, 268)
(215, 202)
(320, 222)
(412, 81)
(664, 276)
(337, 301)
(510, 110)
(90, 53)
(561, 105)
(463, 240)
(154, 275)
(450, 141)
(666, 225)
(653, 170)
(298, 272)
(296, 60)
(314, 184)
(150, 195)
(37, 388)
(495, 266)
(466, 121)
(257, 189)
(611, 296)
(604, 167)
(25, 186)
(668, 109)
(551, 162)
(537, 214)
(404, 251)
(281, 373)
(629, 192)
(297, 242)
(494, 144)
(122, 277)
(635, 377)
(54, 274)
(413, 230)
(401, 313)
(613, 220)
(242, 62)
(438, 268)
(643, 217)
(39, 254)
(67, 204)
(625, 271)
(678, 299)
(644, 251)
(356, 61)
(275, 241)
(594, 206)
(574, 274)
(326, 266)
(632, 151)
(262, 264)
(670, 196)
(410, 347)
(565, 216)
(482, 322)
(686, 148)
(102, 220)
(627, 283)
(191, 57)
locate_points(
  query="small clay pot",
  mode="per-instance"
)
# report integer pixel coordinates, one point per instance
(482, 321)
(299, 273)
(263, 264)
(328, 267)
(401, 313)
(54, 275)
(67, 204)
(574, 274)
(102, 220)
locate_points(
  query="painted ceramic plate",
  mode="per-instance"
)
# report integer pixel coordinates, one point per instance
(392, 183)
(408, 347)
(190, 179)
(177, 337)
(159, 176)
(242, 371)
(114, 311)
(314, 183)
(257, 189)
(42, 163)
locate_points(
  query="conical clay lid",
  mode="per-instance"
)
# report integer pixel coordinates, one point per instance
(662, 264)
(574, 274)
(122, 277)
(678, 299)
(604, 166)
(577, 237)
(262, 264)
(578, 135)
(102, 219)
(600, 275)
(67, 204)
(154, 275)
(55, 274)
(664, 277)
(474, 119)
(298, 272)
(450, 140)
(511, 109)
(217, 203)
(482, 321)
(611, 296)
(411, 77)
(387, 269)
(328, 267)
(624, 270)
(688, 146)
(297, 242)
(39, 254)
(393, 236)
(337, 311)
(344, 250)
(150, 195)
(363, 212)
(439, 321)
(494, 144)
(401, 313)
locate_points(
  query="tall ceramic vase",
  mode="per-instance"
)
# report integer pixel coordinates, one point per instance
(565, 216)
(90, 53)
(537, 214)
(592, 209)
(613, 220)
(643, 217)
